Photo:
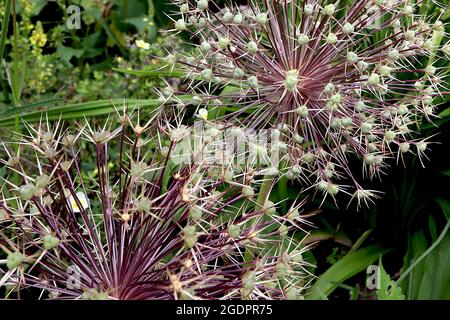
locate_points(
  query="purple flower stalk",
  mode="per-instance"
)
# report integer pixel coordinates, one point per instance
(340, 79)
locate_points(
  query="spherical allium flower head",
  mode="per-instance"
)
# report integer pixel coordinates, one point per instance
(341, 79)
(140, 225)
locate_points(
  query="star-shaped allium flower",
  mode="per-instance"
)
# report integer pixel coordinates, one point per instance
(340, 79)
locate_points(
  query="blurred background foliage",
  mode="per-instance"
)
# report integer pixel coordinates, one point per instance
(76, 71)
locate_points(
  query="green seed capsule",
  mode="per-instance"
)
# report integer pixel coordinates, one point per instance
(269, 207)
(249, 281)
(331, 38)
(329, 9)
(252, 47)
(205, 46)
(282, 270)
(253, 82)
(42, 181)
(291, 81)
(292, 293)
(352, 57)
(302, 111)
(309, 9)
(238, 73)
(234, 231)
(224, 42)
(14, 260)
(180, 25)
(248, 191)
(404, 147)
(202, 4)
(190, 236)
(195, 213)
(303, 39)
(228, 16)
(374, 79)
(50, 242)
(144, 205)
(238, 18)
(389, 135)
(366, 127)
(348, 28)
(207, 74)
(360, 106)
(27, 191)
(262, 18)
(283, 230)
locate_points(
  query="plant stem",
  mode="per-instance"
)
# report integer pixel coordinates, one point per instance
(427, 252)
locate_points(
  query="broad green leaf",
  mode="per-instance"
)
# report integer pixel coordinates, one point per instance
(347, 267)
(67, 53)
(388, 289)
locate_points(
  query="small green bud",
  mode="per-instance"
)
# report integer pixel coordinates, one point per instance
(262, 18)
(422, 146)
(184, 8)
(410, 35)
(144, 204)
(195, 213)
(252, 47)
(234, 231)
(309, 9)
(404, 147)
(430, 70)
(224, 42)
(394, 55)
(360, 106)
(292, 293)
(389, 135)
(207, 74)
(238, 73)
(283, 230)
(202, 4)
(269, 208)
(303, 39)
(385, 71)
(282, 270)
(362, 65)
(348, 28)
(302, 111)
(190, 236)
(249, 281)
(291, 80)
(180, 25)
(238, 18)
(27, 191)
(374, 79)
(331, 38)
(352, 57)
(253, 82)
(308, 157)
(366, 127)
(248, 191)
(205, 46)
(42, 181)
(14, 260)
(50, 242)
(298, 138)
(228, 16)
(138, 169)
(329, 9)
(336, 98)
(332, 189)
